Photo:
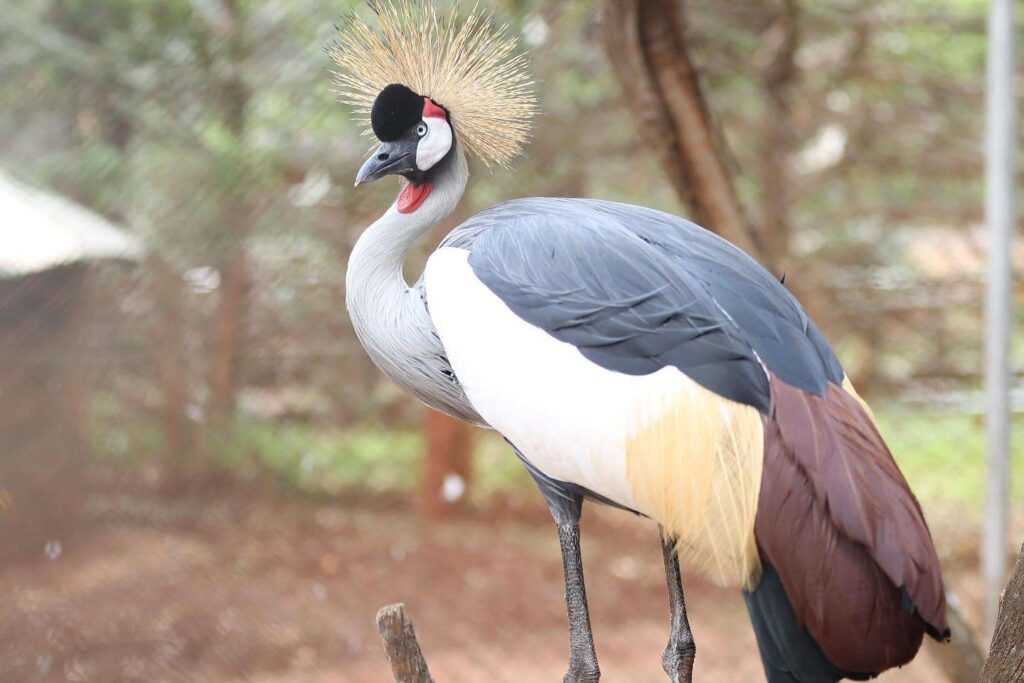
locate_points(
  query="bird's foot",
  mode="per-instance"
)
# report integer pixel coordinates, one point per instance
(582, 671)
(677, 660)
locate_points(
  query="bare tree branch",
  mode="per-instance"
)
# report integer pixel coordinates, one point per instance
(399, 637)
(647, 45)
(776, 61)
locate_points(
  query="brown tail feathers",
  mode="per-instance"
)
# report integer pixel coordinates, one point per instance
(845, 534)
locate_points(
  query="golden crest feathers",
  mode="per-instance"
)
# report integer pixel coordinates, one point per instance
(465, 64)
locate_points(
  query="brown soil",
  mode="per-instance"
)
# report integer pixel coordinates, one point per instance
(232, 585)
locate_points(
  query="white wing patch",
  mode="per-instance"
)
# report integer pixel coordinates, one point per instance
(570, 417)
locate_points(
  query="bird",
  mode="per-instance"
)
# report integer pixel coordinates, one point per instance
(630, 358)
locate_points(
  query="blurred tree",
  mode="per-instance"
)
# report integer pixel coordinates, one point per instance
(163, 129)
(169, 332)
(446, 471)
(210, 127)
(227, 28)
(1006, 657)
(648, 46)
(775, 62)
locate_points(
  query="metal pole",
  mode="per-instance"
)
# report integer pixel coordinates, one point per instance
(1000, 139)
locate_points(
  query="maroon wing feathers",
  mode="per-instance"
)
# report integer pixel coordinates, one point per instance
(844, 532)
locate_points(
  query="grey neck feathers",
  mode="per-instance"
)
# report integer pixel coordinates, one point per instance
(375, 266)
(389, 316)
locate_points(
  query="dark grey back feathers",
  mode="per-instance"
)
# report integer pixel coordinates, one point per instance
(636, 290)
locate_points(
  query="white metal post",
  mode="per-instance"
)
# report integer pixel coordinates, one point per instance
(1000, 166)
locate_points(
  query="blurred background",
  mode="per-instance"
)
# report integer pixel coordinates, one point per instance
(203, 478)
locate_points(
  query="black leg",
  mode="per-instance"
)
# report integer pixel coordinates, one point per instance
(582, 658)
(566, 504)
(681, 650)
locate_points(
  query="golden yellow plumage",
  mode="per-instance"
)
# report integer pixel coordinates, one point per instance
(694, 462)
(463, 63)
(848, 388)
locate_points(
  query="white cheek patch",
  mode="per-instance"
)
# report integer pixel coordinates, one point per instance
(435, 144)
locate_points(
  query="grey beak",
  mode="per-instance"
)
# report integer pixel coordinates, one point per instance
(389, 159)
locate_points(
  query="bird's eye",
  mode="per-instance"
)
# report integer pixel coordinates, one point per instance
(421, 129)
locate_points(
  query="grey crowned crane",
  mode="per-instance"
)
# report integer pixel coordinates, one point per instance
(631, 358)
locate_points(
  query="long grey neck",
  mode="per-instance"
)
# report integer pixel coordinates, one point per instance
(390, 317)
(374, 283)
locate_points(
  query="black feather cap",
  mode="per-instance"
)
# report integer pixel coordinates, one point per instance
(396, 109)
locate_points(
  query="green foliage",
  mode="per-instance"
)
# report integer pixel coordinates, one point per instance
(308, 459)
(365, 459)
(942, 455)
(124, 442)
(325, 461)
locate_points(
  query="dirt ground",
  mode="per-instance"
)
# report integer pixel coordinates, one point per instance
(242, 585)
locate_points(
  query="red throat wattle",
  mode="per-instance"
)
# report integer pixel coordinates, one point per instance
(411, 196)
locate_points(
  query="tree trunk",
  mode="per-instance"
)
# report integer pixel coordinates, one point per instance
(229, 335)
(173, 368)
(778, 74)
(1006, 657)
(229, 326)
(647, 45)
(447, 464)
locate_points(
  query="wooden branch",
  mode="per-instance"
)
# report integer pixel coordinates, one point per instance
(1006, 658)
(647, 45)
(778, 75)
(403, 650)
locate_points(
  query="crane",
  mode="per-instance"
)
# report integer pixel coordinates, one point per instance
(631, 358)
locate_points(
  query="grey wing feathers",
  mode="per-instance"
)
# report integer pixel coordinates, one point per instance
(636, 290)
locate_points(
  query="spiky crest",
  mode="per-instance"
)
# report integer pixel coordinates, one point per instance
(465, 63)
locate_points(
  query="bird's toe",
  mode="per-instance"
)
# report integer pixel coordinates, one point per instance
(582, 672)
(677, 660)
